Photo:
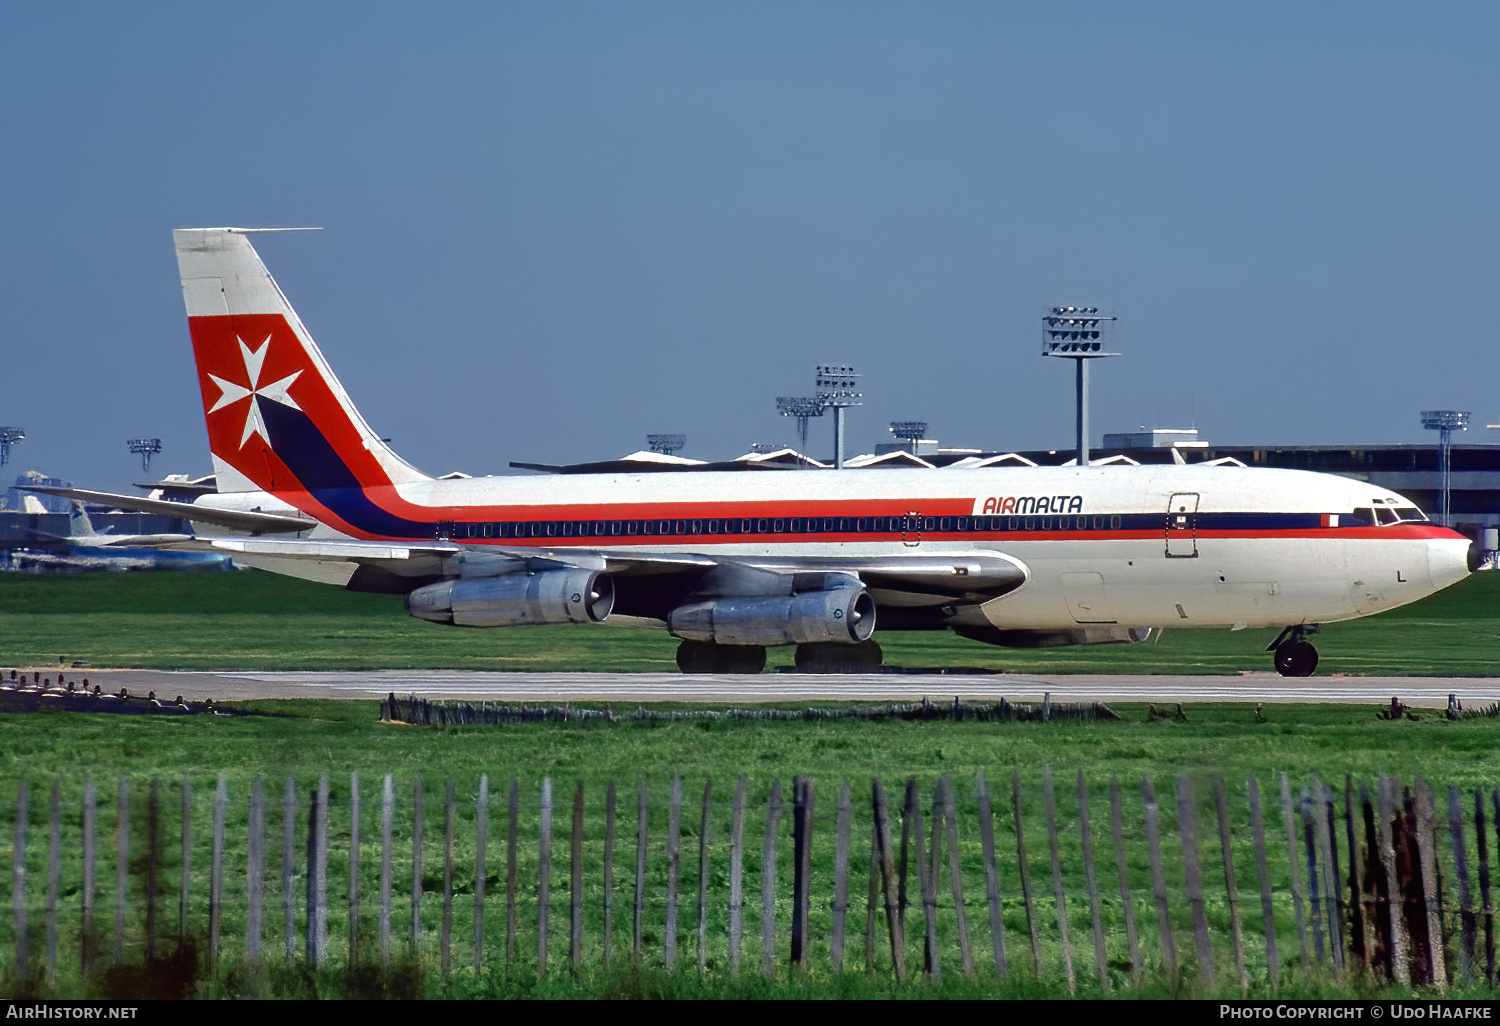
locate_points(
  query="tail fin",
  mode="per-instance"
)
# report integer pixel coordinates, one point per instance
(278, 420)
(79, 524)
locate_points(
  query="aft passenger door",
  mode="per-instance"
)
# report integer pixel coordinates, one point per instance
(1182, 526)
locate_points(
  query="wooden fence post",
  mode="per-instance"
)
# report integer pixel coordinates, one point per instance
(1086, 833)
(187, 858)
(888, 874)
(1127, 902)
(54, 872)
(1468, 924)
(991, 876)
(254, 873)
(288, 853)
(931, 885)
(1329, 867)
(736, 875)
(418, 818)
(576, 878)
(1057, 881)
(216, 878)
(18, 879)
(1358, 927)
(703, 825)
(353, 869)
(1428, 847)
(955, 876)
(1293, 866)
(1231, 889)
(510, 869)
(1400, 947)
(1373, 883)
(642, 814)
(802, 813)
(1158, 879)
(387, 818)
(317, 874)
(544, 886)
(674, 853)
(840, 879)
(1484, 888)
(1031, 922)
(481, 866)
(931, 961)
(122, 866)
(445, 942)
(768, 882)
(1263, 878)
(1187, 826)
(610, 802)
(90, 827)
(153, 864)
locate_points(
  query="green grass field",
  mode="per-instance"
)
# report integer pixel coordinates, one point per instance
(258, 620)
(255, 620)
(342, 738)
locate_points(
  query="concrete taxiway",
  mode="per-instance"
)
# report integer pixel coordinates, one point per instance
(229, 685)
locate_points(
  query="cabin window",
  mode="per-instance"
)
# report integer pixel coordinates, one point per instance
(1046, 523)
(779, 526)
(794, 525)
(697, 527)
(963, 523)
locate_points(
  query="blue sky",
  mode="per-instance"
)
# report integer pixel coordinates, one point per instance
(551, 228)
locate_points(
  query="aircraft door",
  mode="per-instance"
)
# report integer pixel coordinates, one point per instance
(911, 529)
(1182, 526)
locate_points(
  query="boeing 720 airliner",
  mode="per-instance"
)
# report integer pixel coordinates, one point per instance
(733, 562)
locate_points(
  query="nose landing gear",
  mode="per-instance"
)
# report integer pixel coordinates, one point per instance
(1294, 655)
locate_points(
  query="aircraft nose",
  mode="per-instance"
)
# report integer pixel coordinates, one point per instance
(1450, 560)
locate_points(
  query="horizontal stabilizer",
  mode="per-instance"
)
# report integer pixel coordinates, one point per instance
(234, 520)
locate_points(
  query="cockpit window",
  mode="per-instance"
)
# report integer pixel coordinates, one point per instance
(1410, 515)
(1387, 516)
(1366, 514)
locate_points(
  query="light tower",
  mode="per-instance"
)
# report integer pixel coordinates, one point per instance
(836, 384)
(1075, 333)
(804, 409)
(145, 448)
(910, 432)
(1445, 422)
(9, 436)
(667, 445)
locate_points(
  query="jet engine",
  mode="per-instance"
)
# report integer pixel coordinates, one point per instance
(516, 599)
(843, 615)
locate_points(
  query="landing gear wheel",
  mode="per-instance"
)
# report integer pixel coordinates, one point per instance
(828, 657)
(708, 657)
(1296, 659)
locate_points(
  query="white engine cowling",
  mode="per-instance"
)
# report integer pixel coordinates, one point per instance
(513, 600)
(841, 615)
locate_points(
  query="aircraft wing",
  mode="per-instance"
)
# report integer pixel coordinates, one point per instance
(233, 520)
(963, 576)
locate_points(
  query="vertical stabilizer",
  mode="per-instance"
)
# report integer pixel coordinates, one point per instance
(278, 419)
(79, 524)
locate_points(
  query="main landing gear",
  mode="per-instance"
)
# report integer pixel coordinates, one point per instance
(708, 657)
(1295, 656)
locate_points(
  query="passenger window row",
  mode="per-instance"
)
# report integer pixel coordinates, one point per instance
(749, 526)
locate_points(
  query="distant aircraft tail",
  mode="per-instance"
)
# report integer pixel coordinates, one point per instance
(79, 524)
(278, 419)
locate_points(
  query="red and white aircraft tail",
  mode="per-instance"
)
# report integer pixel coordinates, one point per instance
(278, 419)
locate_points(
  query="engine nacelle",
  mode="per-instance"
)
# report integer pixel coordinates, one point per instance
(1102, 634)
(513, 600)
(842, 615)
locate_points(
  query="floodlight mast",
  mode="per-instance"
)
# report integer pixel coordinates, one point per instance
(836, 384)
(803, 408)
(9, 436)
(1075, 333)
(1445, 422)
(145, 448)
(667, 445)
(910, 432)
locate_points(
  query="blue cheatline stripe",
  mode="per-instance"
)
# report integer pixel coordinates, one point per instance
(324, 474)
